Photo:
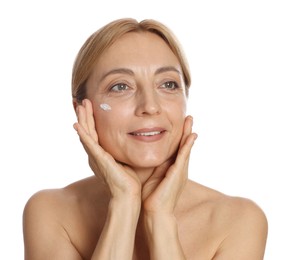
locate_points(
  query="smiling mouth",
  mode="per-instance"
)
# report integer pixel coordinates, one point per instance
(147, 133)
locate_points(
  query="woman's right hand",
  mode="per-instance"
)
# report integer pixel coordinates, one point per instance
(121, 180)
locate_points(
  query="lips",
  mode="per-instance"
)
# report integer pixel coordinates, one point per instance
(147, 131)
(148, 134)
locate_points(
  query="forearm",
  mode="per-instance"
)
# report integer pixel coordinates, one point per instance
(118, 235)
(163, 239)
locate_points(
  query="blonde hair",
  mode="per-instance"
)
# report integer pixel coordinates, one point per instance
(102, 39)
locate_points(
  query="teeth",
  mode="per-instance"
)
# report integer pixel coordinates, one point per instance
(148, 133)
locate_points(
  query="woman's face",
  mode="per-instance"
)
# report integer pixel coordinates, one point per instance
(141, 79)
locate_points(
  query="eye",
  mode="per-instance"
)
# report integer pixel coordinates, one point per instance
(170, 85)
(119, 87)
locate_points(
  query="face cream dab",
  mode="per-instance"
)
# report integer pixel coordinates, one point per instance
(105, 107)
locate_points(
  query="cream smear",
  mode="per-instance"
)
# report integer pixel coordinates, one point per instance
(105, 107)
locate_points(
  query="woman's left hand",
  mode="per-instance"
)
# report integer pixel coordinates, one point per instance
(162, 190)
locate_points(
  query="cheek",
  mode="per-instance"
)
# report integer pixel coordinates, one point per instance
(110, 124)
(178, 126)
(177, 111)
(105, 123)
(176, 104)
(178, 114)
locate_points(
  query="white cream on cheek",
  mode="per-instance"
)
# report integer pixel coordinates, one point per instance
(105, 107)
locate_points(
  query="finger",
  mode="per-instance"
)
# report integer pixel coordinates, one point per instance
(82, 119)
(92, 148)
(90, 119)
(85, 138)
(182, 160)
(99, 160)
(185, 149)
(187, 129)
(179, 170)
(176, 175)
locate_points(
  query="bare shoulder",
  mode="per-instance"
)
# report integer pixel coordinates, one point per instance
(62, 205)
(239, 224)
(43, 199)
(42, 208)
(48, 220)
(42, 227)
(246, 233)
(45, 210)
(61, 200)
(240, 210)
(46, 203)
(230, 208)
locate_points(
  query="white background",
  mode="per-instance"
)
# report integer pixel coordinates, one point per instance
(242, 64)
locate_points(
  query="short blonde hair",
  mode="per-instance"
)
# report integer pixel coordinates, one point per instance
(102, 39)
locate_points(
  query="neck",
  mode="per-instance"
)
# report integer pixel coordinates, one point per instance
(143, 174)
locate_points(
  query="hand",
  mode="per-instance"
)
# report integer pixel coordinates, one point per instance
(120, 179)
(161, 191)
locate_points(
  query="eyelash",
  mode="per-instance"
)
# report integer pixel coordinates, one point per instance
(119, 85)
(165, 85)
(175, 85)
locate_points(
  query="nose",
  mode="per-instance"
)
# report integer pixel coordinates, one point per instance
(148, 102)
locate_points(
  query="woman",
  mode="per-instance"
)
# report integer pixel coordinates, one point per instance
(130, 86)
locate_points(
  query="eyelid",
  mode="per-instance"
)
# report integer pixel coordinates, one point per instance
(111, 88)
(116, 79)
(176, 84)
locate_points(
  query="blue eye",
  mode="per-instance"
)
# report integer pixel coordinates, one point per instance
(119, 87)
(170, 85)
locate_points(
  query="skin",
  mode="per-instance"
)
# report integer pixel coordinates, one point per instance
(140, 203)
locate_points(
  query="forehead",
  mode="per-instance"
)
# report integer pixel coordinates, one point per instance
(138, 49)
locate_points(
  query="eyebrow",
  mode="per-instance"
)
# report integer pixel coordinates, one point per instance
(118, 71)
(166, 69)
(131, 73)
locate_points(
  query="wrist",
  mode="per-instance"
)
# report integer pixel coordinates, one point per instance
(162, 232)
(152, 215)
(125, 206)
(156, 223)
(118, 235)
(123, 215)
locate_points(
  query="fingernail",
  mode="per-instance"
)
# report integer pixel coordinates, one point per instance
(192, 120)
(195, 136)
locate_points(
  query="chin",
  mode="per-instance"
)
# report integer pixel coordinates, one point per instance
(146, 162)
